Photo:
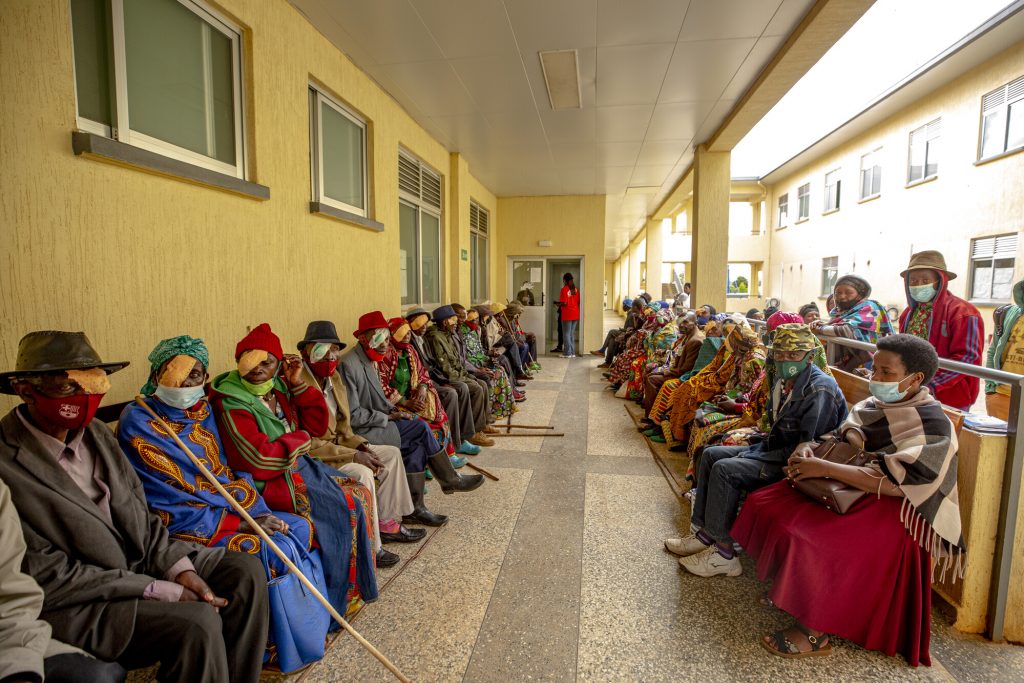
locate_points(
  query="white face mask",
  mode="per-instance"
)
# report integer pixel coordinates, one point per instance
(180, 397)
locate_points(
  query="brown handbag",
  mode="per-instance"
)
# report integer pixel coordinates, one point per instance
(834, 495)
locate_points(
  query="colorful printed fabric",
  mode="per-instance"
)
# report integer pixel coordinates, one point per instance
(658, 346)
(919, 319)
(867, 320)
(389, 369)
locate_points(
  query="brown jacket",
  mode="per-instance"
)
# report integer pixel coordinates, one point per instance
(92, 571)
(685, 359)
(338, 446)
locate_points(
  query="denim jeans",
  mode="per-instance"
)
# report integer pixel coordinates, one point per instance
(569, 332)
(722, 478)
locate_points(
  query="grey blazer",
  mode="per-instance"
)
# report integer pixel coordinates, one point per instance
(93, 572)
(369, 406)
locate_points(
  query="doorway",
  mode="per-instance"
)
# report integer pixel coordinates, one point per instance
(536, 282)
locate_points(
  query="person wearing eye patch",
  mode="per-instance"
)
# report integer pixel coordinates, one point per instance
(950, 324)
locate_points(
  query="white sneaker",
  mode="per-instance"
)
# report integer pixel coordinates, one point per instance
(709, 562)
(688, 545)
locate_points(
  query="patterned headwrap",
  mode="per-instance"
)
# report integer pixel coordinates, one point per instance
(782, 318)
(743, 338)
(711, 328)
(794, 337)
(169, 348)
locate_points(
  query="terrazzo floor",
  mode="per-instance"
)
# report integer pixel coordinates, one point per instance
(557, 573)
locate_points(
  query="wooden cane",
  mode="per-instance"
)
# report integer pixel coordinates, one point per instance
(274, 547)
(482, 471)
(512, 426)
(525, 436)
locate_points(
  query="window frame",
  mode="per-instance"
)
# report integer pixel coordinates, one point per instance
(750, 280)
(1007, 102)
(803, 192)
(828, 263)
(478, 235)
(423, 206)
(317, 96)
(873, 157)
(827, 208)
(121, 130)
(991, 259)
(928, 145)
(782, 215)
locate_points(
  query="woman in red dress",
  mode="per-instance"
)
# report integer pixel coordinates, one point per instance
(865, 576)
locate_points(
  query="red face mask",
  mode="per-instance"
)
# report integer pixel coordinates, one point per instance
(68, 412)
(324, 368)
(375, 356)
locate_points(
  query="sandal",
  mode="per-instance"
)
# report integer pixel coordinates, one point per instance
(764, 600)
(784, 647)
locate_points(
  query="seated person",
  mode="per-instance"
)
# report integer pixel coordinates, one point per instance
(879, 569)
(1006, 352)
(377, 420)
(950, 324)
(441, 338)
(807, 403)
(175, 489)
(809, 313)
(495, 342)
(503, 394)
(115, 585)
(527, 341)
(267, 415)
(679, 360)
(615, 340)
(464, 409)
(855, 317)
(341, 448)
(755, 314)
(27, 652)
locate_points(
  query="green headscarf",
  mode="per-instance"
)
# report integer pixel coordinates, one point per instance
(168, 349)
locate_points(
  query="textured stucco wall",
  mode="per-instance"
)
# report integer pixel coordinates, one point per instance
(131, 257)
(575, 226)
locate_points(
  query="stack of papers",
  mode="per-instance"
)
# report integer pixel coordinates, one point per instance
(984, 424)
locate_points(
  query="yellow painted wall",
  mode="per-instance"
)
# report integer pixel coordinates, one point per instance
(876, 238)
(131, 257)
(575, 226)
(464, 187)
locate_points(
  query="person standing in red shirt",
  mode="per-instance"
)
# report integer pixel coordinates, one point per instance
(569, 302)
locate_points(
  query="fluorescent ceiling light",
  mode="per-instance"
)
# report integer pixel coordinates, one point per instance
(562, 77)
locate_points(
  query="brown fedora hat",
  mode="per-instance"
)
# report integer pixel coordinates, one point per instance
(54, 351)
(931, 259)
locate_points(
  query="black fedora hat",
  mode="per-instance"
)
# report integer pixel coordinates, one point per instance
(321, 332)
(54, 351)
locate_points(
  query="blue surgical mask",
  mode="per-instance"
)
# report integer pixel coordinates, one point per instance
(180, 397)
(702, 320)
(887, 392)
(922, 294)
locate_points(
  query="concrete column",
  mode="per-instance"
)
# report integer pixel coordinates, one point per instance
(711, 186)
(635, 257)
(457, 270)
(655, 249)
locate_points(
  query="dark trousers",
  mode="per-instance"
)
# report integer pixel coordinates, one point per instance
(561, 335)
(192, 642)
(77, 668)
(480, 392)
(450, 400)
(722, 478)
(608, 339)
(614, 348)
(468, 411)
(418, 444)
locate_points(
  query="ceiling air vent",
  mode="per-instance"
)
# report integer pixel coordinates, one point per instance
(562, 77)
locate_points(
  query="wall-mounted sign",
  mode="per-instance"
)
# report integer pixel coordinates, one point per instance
(465, 255)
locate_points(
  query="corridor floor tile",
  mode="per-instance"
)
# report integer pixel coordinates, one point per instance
(610, 430)
(537, 410)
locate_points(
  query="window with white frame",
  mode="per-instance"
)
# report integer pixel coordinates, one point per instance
(833, 185)
(479, 257)
(992, 264)
(738, 276)
(338, 154)
(783, 210)
(803, 197)
(419, 214)
(829, 274)
(163, 75)
(924, 152)
(871, 174)
(1002, 119)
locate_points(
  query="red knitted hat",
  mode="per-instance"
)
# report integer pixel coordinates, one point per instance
(263, 338)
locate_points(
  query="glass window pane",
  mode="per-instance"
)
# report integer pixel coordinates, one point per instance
(1002, 279)
(474, 267)
(1015, 134)
(180, 79)
(982, 280)
(876, 180)
(932, 165)
(408, 258)
(343, 156)
(89, 27)
(430, 262)
(916, 171)
(485, 268)
(738, 278)
(993, 127)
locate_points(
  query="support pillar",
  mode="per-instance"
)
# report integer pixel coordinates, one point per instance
(655, 250)
(711, 187)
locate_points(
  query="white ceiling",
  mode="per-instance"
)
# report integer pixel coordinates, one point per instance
(657, 78)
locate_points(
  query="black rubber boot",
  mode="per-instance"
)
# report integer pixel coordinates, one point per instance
(450, 480)
(420, 513)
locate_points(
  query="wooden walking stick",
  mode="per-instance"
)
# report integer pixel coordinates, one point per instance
(482, 471)
(274, 547)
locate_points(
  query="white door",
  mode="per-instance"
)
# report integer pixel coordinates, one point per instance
(526, 285)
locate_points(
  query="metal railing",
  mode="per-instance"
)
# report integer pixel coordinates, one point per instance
(1009, 500)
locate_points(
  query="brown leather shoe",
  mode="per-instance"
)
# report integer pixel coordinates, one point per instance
(481, 439)
(491, 430)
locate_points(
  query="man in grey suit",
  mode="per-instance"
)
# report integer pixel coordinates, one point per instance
(115, 585)
(374, 417)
